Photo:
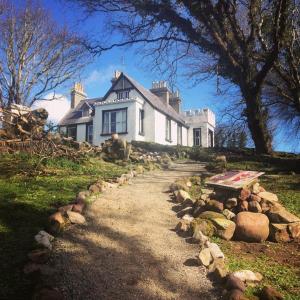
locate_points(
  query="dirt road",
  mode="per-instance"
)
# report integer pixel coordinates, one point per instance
(128, 249)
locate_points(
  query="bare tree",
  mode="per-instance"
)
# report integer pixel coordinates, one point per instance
(36, 55)
(242, 38)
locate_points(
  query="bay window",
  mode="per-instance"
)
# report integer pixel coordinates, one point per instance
(114, 121)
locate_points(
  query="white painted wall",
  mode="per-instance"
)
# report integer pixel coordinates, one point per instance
(81, 132)
(184, 136)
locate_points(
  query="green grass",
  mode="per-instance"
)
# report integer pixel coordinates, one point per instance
(30, 190)
(285, 278)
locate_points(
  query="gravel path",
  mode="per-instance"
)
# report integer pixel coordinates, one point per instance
(128, 249)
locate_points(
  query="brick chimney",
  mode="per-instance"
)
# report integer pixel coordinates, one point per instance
(160, 89)
(77, 94)
(175, 101)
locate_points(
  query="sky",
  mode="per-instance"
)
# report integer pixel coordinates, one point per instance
(96, 75)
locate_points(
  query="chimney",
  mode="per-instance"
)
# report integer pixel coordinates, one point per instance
(117, 74)
(175, 101)
(77, 94)
(160, 89)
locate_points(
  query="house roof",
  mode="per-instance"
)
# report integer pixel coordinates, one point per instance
(74, 116)
(156, 102)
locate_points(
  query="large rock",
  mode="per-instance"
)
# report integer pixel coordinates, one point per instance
(278, 214)
(254, 197)
(205, 226)
(214, 205)
(205, 257)
(254, 207)
(224, 228)
(65, 208)
(294, 230)
(244, 194)
(233, 283)
(228, 214)
(268, 196)
(187, 217)
(231, 203)
(199, 237)
(279, 233)
(182, 196)
(251, 227)
(269, 293)
(55, 222)
(255, 188)
(44, 238)
(83, 196)
(187, 210)
(183, 226)
(215, 251)
(209, 215)
(75, 218)
(248, 276)
(78, 207)
(243, 205)
(94, 189)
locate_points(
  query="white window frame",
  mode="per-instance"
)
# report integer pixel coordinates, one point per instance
(120, 123)
(141, 122)
(179, 134)
(168, 130)
(90, 133)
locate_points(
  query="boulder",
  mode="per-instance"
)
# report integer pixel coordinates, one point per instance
(205, 257)
(188, 218)
(39, 256)
(244, 194)
(251, 227)
(205, 226)
(179, 184)
(234, 283)
(243, 206)
(254, 197)
(44, 238)
(254, 207)
(278, 214)
(224, 228)
(214, 205)
(268, 196)
(82, 196)
(294, 230)
(266, 205)
(183, 226)
(75, 218)
(248, 276)
(211, 215)
(236, 295)
(199, 237)
(220, 270)
(279, 233)
(182, 196)
(231, 202)
(197, 211)
(228, 214)
(255, 188)
(269, 293)
(204, 197)
(187, 202)
(55, 222)
(215, 251)
(78, 207)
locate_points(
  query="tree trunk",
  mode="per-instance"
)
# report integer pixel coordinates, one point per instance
(257, 119)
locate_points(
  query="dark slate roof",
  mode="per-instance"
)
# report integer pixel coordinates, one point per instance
(74, 116)
(156, 102)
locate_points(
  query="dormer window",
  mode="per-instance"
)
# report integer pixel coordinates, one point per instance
(85, 112)
(123, 95)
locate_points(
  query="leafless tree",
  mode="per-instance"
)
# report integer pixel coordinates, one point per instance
(36, 55)
(242, 38)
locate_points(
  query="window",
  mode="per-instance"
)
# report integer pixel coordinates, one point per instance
(89, 134)
(179, 134)
(114, 121)
(168, 129)
(210, 138)
(123, 95)
(141, 122)
(197, 136)
(72, 132)
(85, 112)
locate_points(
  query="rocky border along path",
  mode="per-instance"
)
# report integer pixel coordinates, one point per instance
(128, 249)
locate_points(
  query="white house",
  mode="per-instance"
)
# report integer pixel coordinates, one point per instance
(136, 113)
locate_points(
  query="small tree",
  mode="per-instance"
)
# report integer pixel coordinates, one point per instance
(36, 55)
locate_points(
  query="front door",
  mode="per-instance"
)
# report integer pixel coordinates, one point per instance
(197, 136)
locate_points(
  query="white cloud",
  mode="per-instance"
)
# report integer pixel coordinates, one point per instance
(56, 108)
(100, 76)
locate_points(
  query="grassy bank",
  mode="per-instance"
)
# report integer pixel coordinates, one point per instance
(30, 190)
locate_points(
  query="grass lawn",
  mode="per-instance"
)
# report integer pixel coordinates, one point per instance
(29, 192)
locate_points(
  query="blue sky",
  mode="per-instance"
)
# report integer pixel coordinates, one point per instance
(96, 76)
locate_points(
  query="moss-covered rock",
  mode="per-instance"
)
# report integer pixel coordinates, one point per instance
(205, 226)
(209, 215)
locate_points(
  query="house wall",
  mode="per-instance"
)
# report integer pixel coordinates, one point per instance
(184, 136)
(81, 133)
(131, 117)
